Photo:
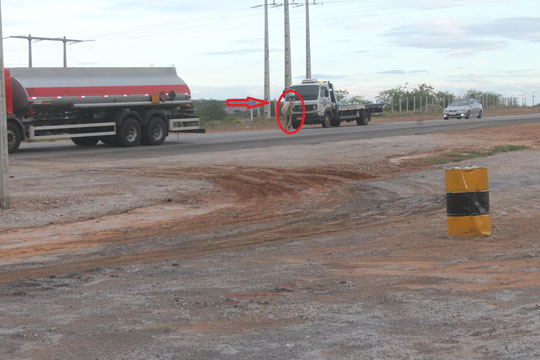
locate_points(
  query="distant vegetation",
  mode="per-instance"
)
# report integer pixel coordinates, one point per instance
(344, 98)
(212, 112)
(208, 110)
(426, 98)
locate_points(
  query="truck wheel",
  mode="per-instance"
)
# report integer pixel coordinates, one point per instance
(327, 122)
(130, 132)
(85, 141)
(14, 137)
(363, 119)
(155, 132)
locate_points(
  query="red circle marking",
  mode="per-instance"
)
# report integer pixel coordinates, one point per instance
(303, 112)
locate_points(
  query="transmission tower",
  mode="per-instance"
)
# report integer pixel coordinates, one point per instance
(30, 38)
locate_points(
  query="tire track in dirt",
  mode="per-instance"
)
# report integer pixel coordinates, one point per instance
(256, 197)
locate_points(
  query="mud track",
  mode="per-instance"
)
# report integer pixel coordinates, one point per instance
(248, 207)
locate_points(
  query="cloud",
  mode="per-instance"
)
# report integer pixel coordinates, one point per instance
(445, 35)
(328, 76)
(517, 28)
(402, 72)
(452, 36)
(392, 72)
(323, 76)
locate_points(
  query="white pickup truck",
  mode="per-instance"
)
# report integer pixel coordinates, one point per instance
(322, 107)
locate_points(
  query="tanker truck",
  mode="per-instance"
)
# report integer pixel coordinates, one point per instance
(122, 106)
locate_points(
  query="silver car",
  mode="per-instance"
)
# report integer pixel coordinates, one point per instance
(463, 108)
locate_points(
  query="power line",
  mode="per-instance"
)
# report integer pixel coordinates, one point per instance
(30, 38)
(216, 22)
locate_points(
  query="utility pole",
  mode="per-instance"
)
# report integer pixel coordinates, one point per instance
(267, 108)
(533, 93)
(63, 39)
(267, 113)
(4, 189)
(288, 76)
(29, 50)
(308, 43)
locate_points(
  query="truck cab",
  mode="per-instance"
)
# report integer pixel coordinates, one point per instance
(319, 100)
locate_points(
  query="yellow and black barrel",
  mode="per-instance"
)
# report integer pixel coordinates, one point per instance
(467, 202)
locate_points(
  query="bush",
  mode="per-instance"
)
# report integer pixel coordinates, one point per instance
(208, 110)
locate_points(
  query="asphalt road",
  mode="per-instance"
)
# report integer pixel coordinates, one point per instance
(213, 142)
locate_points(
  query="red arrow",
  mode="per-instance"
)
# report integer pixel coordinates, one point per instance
(250, 102)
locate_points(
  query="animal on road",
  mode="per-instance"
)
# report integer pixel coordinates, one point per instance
(287, 111)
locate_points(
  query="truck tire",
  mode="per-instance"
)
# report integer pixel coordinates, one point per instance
(129, 133)
(14, 137)
(363, 118)
(327, 121)
(155, 132)
(85, 141)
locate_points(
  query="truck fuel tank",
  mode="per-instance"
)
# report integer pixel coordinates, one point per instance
(66, 87)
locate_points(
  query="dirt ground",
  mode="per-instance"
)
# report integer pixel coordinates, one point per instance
(272, 254)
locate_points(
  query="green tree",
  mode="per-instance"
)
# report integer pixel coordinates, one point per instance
(413, 97)
(486, 98)
(344, 98)
(208, 110)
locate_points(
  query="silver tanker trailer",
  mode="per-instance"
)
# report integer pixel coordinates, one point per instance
(123, 106)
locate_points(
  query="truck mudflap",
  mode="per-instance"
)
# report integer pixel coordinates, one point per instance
(191, 125)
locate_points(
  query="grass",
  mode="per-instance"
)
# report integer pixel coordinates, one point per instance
(461, 155)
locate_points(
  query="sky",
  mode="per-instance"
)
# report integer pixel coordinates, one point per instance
(363, 46)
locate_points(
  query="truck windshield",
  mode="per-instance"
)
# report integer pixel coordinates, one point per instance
(307, 92)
